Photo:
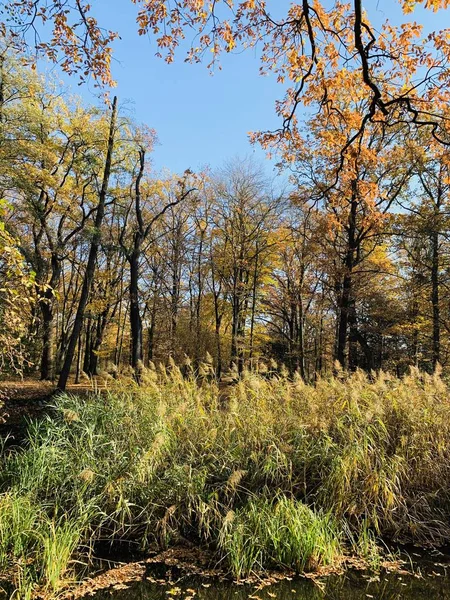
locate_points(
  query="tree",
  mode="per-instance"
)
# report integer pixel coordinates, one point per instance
(356, 198)
(16, 301)
(294, 295)
(93, 251)
(244, 213)
(53, 172)
(423, 238)
(141, 226)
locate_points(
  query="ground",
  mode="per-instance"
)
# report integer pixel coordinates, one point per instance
(21, 400)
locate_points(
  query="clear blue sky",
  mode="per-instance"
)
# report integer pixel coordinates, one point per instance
(202, 119)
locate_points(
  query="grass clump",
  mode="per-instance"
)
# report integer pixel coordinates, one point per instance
(281, 532)
(309, 468)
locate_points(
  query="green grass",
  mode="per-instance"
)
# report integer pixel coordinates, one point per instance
(277, 533)
(277, 474)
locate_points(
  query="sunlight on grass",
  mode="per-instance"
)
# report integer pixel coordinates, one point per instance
(278, 474)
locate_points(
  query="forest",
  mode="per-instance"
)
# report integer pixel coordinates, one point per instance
(107, 266)
(239, 369)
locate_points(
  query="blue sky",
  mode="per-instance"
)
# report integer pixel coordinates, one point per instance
(201, 119)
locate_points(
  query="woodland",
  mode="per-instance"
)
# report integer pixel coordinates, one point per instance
(106, 266)
(271, 361)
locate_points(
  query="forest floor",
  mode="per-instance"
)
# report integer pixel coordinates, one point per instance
(22, 400)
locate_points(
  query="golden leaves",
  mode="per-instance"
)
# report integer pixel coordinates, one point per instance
(434, 5)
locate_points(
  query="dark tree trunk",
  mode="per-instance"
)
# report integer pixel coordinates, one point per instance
(353, 335)
(319, 351)
(48, 340)
(47, 303)
(238, 317)
(344, 306)
(135, 315)
(77, 374)
(198, 304)
(347, 296)
(92, 259)
(435, 299)
(301, 337)
(100, 327)
(217, 321)
(87, 345)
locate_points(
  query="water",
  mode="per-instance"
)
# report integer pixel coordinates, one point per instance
(431, 582)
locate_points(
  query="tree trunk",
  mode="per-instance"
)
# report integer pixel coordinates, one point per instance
(301, 337)
(47, 303)
(253, 308)
(77, 374)
(347, 299)
(198, 304)
(353, 335)
(217, 321)
(102, 321)
(92, 259)
(48, 340)
(435, 299)
(238, 318)
(87, 346)
(344, 305)
(135, 315)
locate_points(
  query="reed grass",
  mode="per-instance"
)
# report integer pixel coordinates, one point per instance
(281, 532)
(274, 473)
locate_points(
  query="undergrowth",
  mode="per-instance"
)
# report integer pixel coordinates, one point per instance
(271, 473)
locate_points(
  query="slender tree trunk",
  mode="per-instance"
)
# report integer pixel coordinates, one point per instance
(102, 321)
(353, 335)
(380, 352)
(253, 308)
(319, 352)
(92, 259)
(217, 320)
(119, 322)
(301, 333)
(135, 315)
(151, 339)
(122, 334)
(237, 326)
(344, 305)
(415, 336)
(175, 297)
(198, 304)
(77, 373)
(87, 345)
(435, 299)
(47, 304)
(48, 341)
(242, 318)
(292, 334)
(346, 300)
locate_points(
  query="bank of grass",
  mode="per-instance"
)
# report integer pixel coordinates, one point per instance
(272, 473)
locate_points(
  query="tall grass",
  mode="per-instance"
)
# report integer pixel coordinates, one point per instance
(277, 533)
(273, 473)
